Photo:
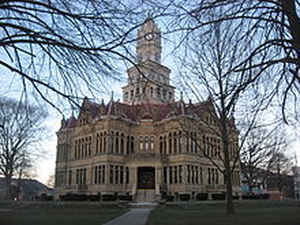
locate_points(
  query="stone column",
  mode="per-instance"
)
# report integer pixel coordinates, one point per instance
(133, 179)
(107, 174)
(157, 183)
(168, 178)
(184, 177)
(114, 174)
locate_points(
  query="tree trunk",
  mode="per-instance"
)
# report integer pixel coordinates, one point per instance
(8, 188)
(229, 199)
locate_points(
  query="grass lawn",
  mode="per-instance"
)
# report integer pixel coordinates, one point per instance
(71, 214)
(247, 213)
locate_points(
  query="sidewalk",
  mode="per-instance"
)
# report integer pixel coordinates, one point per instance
(136, 216)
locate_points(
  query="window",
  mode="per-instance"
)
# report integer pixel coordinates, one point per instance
(160, 145)
(70, 177)
(147, 143)
(165, 175)
(170, 175)
(127, 175)
(116, 174)
(180, 174)
(132, 144)
(122, 144)
(152, 143)
(188, 174)
(164, 94)
(117, 142)
(170, 143)
(141, 143)
(121, 174)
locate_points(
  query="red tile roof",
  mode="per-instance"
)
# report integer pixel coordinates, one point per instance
(135, 113)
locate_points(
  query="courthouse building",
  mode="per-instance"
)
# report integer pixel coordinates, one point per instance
(142, 147)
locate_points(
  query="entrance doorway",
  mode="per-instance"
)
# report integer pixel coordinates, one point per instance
(146, 178)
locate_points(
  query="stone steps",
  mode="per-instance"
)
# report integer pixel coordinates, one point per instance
(145, 195)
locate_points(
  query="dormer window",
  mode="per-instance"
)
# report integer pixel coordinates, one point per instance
(158, 92)
(126, 96)
(164, 94)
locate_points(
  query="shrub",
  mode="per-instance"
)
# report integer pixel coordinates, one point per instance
(108, 197)
(125, 197)
(94, 198)
(218, 196)
(202, 196)
(170, 198)
(184, 197)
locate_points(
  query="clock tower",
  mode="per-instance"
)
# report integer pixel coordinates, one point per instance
(148, 42)
(148, 81)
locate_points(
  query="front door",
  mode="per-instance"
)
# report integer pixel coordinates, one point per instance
(146, 178)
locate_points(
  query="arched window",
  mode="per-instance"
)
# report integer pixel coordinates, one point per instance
(160, 145)
(104, 142)
(146, 143)
(132, 144)
(170, 143)
(152, 143)
(141, 143)
(122, 143)
(117, 142)
(175, 142)
(127, 144)
(158, 92)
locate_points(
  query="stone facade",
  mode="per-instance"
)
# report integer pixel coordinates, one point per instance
(140, 147)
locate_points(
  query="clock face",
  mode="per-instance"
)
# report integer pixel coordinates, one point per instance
(149, 36)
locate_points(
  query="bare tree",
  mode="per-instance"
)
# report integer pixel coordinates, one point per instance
(257, 155)
(20, 133)
(279, 167)
(66, 49)
(207, 70)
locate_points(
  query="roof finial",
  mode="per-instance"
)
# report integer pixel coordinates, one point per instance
(112, 95)
(181, 96)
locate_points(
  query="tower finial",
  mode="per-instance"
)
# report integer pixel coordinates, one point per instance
(181, 96)
(149, 14)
